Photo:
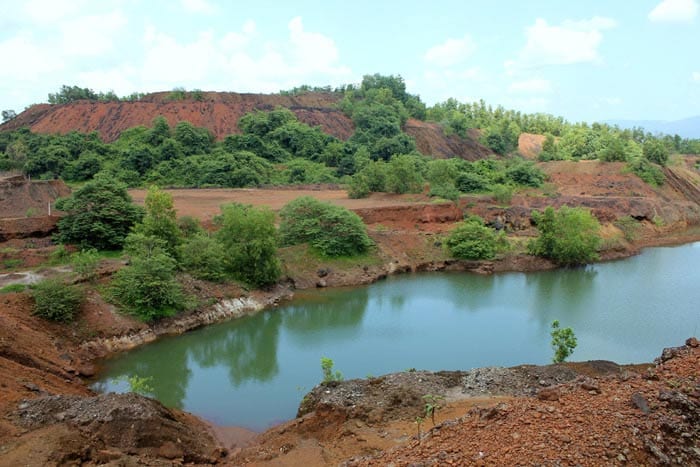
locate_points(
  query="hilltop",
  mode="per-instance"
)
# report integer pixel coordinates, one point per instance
(219, 112)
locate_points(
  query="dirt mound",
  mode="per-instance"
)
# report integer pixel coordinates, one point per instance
(529, 145)
(220, 112)
(124, 422)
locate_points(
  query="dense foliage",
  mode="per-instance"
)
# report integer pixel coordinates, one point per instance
(331, 230)
(563, 342)
(56, 300)
(249, 240)
(473, 240)
(99, 215)
(568, 236)
(147, 287)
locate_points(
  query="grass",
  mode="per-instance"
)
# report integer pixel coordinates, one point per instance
(13, 288)
(300, 259)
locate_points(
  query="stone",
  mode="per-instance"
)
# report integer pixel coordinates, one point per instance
(640, 402)
(170, 450)
(548, 394)
(692, 342)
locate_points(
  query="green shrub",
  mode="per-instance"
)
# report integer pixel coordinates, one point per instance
(468, 182)
(445, 192)
(503, 194)
(56, 301)
(526, 174)
(331, 230)
(203, 257)
(472, 240)
(189, 226)
(568, 236)
(647, 171)
(147, 287)
(359, 186)
(629, 226)
(328, 374)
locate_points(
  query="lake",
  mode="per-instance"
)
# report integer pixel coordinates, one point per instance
(253, 372)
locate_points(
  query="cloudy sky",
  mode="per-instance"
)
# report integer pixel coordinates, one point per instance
(585, 60)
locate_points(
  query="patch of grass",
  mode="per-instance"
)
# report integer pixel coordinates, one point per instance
(13, 288)
(302, 260)
(11, 263)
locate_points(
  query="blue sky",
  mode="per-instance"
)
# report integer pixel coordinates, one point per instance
(584, 60)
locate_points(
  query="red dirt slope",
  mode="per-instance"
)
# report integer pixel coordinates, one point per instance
(220, 112)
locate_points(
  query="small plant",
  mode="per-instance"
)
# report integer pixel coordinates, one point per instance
(11, 263)
(658, 220)
(56, 301)
(419, 423)
(432, 405)
(31, 212)
(328, 373)
(138, 384)
(563, 342)
(13, 288)
(59, 255)
(85, 264)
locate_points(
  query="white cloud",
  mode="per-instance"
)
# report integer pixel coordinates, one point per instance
(25, 59)
(451, 52)
(565, 44)
(696, 76)
(91, 35)
(532, 86)
(198, 6)
(233, 62)
(50, 11)
(676, 11)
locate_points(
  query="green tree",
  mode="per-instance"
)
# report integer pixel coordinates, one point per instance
(249, 240)
(473, 240)
(327, 369)
(331, 230)
(568, 236)
(99, 215)
(403, 175)
(563, 342)
(56, 300)
(160, 219)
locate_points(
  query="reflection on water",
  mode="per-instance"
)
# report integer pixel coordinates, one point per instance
(254, 371)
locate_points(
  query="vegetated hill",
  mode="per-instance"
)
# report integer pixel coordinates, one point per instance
(685, 128)
(220, 112)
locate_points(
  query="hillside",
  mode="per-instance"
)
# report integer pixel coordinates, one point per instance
(685, 128)
(219, 112)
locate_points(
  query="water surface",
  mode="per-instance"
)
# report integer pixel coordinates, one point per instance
(254, 371)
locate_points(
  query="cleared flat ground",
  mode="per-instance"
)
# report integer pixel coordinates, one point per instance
(204, 203)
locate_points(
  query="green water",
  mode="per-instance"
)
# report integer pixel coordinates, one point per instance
(254, 371)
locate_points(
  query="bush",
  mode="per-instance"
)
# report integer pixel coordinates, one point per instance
(468, 182)
(526, 173)
(249, 240)
(647, 171)
(331, 230)
(56, 301)
(147, 287)
(403, 175)
(503, 194)
(445, 192)
(472, 240)
(13, 288)
(655, 151)
(203, 257)
(568, 236)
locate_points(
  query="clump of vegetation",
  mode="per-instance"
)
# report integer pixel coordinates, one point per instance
(563, 342)
(147, 287)
(647, 171)
(331, 230)
(568, 236)
(328, 374)
(249, 242)
(473, 240)
(203, 257)
(56, 300)
(85, 264)
(100, 214)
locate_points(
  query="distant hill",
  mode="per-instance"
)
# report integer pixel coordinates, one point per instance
(220, 111)
(686, 128)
